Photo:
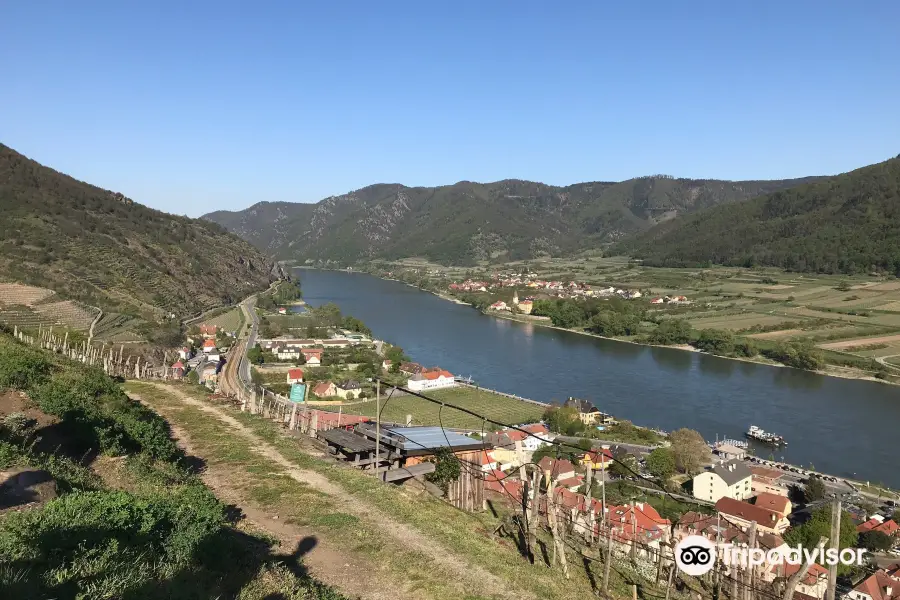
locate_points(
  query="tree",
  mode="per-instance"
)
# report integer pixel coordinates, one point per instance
(715, 341)
(624, 466)
(255, 355)
(562, 420)
(396, 355)
(446, 468)
(877, 541)
(689, 449)
(661, 463)
(671, 331)
(585, 444)
(354, 324)
(819, 524)
(813, 489)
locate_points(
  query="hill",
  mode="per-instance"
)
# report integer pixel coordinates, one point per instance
(844, 224)
(104, 249)
(98, 501)
(468, 222)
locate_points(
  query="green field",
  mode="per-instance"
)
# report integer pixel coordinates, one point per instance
(228, 321)
(770, 305)
(494, 406)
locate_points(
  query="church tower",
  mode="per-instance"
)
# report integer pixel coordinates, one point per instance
(515, 299)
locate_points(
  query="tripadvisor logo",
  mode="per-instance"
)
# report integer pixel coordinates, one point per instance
(696, 555)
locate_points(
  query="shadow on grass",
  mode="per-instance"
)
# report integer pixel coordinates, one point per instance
(220, 567)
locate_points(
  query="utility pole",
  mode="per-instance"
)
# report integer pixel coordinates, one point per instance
(835, 543)
(717, 574)
(377, 426)
(749, 575)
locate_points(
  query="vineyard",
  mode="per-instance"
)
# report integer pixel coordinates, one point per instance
(228, 321)
(494, 406)
(117, 328)
(29, 307)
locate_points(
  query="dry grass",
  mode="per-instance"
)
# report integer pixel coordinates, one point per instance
(887, 339)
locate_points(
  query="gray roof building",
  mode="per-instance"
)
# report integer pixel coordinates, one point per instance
(732, 471)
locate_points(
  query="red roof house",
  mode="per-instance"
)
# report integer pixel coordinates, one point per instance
(888, 527)
(881, 585)
(295, 376)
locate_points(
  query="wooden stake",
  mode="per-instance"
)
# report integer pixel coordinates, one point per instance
(835, 542)
(799, 575)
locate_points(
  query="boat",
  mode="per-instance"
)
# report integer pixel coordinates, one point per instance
(760, 435)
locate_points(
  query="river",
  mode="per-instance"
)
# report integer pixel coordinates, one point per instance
(841, 426)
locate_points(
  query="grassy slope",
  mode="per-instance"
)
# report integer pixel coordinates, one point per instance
(466, 535)
(142, 526)
(104, 249)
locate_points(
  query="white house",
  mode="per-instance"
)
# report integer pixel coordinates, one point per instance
(730, 479)
(184, 353)
(286, 353)
(295, 376)
(430, 380)
(488, 462)
(540, 436)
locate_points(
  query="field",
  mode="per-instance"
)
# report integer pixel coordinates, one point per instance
(117, 329)
(30, 307)
(840, 313)
(494, 406)
(228, 321)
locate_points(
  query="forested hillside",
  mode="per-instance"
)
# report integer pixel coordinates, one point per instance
(844, 224)
(106, 250)
(467, 222)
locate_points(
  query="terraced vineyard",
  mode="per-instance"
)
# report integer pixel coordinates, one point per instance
(117, 328)
(29, 307)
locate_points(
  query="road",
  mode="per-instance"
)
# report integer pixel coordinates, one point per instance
(636, 449)
(882, 360)
(236, 373)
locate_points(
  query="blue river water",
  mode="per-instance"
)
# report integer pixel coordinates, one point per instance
(841, 426)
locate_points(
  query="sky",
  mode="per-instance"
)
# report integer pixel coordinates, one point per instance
(197, 106)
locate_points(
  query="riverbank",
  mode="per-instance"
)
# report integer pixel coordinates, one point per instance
(657, 389)
(841, 372)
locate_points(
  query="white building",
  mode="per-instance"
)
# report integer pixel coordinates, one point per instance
(430, 380)
(730, 479)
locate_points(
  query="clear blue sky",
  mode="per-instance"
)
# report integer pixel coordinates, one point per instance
(196, 106)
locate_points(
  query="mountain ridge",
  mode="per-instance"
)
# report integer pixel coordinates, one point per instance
(849, 223)
(466, 222)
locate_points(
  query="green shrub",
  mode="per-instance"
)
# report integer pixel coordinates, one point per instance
(22, 367)
(98, 415)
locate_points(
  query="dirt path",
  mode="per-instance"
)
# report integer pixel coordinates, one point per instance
(324, 564)
(334, 567)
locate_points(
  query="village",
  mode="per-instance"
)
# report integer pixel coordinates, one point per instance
(577, 490)
(596, 494)
(537, 288)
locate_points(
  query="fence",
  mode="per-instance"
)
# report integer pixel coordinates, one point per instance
(113, 363)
